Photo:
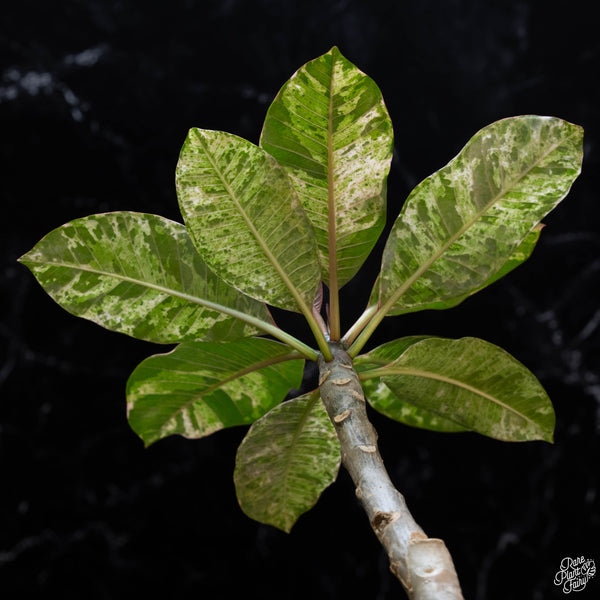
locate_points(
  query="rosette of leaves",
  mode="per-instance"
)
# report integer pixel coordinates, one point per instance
(269, 224)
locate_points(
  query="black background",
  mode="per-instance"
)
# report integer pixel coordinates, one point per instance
(96, 98)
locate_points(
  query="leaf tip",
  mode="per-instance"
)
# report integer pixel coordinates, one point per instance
(285, 527)
(25, 258)
(335, 52)
(148, 440)
(541, 434)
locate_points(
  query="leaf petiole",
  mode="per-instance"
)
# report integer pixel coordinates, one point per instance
(319, 337)
(360, 324)
(370, 327)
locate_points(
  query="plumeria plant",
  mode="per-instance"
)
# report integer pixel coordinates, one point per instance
(271, 225)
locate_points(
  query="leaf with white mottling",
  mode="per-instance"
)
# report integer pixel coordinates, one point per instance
(330, 129)
(385, 401)
(286, 460)
(461, 224)
(520, 255)
(138, 274)
(246, 221)
(202, 387)
(477, 385)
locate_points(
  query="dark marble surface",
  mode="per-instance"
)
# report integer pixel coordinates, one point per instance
(95, 100)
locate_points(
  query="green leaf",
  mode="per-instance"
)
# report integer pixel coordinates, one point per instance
(286, 460)
(520, 255)
(385, 401)
(330, 129)
(138, 274)
(460, 226)
(202, 387)
(386, 353)
(477, 385)
(246, 221)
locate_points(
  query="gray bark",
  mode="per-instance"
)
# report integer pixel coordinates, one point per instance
(422, 564)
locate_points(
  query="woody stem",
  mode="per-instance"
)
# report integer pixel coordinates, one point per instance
(422, 564)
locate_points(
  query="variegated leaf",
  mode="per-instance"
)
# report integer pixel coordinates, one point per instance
(385, 401)
(477, 385)
(138, 274)
(520, 255)
(330, 129)
(286, 460)
(246, 221)
(460, 226)
(202, 387)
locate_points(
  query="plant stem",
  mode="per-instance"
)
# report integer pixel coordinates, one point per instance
(423, 565)
(359, 324)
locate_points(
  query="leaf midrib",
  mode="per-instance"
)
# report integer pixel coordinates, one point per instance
(142, 283)
(387, 371)
(267, 362)
(312, 398)
(387, 306)
(265, 326)
(332, 218)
